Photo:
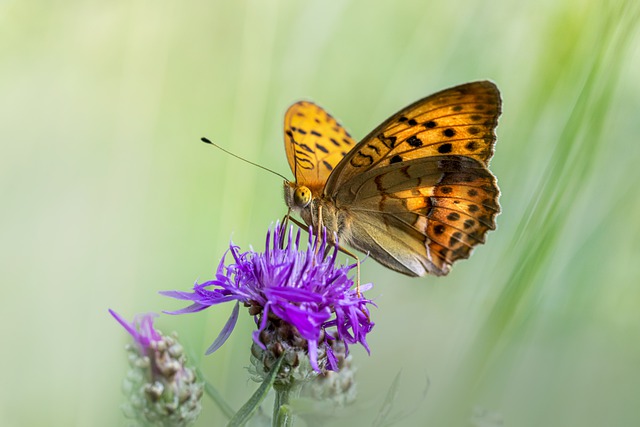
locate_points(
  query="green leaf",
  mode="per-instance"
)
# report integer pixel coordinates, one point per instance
(247, 410)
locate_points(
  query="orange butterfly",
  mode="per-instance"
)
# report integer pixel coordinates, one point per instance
(416, 193)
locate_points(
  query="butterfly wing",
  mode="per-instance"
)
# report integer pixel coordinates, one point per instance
(315, 143)
(460, 120)
(416, 193)
(420, 216)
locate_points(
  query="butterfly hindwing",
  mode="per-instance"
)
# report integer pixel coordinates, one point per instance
(441, 206)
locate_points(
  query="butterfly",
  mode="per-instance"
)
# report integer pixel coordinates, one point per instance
(416, 193)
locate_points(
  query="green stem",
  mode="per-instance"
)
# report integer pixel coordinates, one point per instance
(282, 414)
(248, 409)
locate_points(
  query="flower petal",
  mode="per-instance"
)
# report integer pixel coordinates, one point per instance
(226, 331)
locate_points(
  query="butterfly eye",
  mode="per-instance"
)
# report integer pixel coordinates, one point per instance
(302, 196)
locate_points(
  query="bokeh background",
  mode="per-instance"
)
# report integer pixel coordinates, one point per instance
(107, 196)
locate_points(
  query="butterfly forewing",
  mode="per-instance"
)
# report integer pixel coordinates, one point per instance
(315, 143)
(460, 121)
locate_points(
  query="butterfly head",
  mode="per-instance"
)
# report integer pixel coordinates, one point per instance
(297, 197)
(302, 196)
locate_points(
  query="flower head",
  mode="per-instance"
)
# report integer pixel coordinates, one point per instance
(160, 387)
(302, 289)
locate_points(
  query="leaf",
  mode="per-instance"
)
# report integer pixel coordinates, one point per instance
(247, 410)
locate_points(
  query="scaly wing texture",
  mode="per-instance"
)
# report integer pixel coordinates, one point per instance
(416, 192)
(421, 215)
(315, 143)
(460, 120)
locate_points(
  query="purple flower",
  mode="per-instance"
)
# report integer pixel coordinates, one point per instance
(303, 288)
(161, 388)
(141, 329)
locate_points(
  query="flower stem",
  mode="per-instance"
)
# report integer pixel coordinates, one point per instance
(282, 414)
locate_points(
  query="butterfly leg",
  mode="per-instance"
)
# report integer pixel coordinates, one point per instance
(285, 220)
(340, 248)
(298, 223)
(318, 230)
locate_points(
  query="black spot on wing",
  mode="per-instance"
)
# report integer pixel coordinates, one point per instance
(445, 148)
(305, 147)
(414, 141)
(305, 163)
(453, 216)
(361, 160)
(321, 148)
(374, 148)
(455, 238)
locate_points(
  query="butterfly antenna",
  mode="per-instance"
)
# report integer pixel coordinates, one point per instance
(207, 141)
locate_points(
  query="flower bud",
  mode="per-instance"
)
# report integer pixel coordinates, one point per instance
(161, 389)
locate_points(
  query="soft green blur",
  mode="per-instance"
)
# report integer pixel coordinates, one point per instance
(107, 196)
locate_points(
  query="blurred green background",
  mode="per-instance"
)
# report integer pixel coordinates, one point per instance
(108, 196)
